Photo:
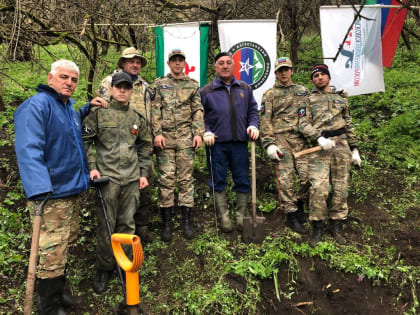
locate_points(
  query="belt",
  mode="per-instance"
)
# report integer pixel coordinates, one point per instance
(332, 133)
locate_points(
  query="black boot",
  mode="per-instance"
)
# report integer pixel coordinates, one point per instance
(336, 229)
(187, 224)
(294, 224)
(301, 215)
(100, 283)
(317, 231)
(166, 214)
(50, 292)
(70, 301)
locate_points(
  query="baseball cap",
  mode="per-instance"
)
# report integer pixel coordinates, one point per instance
(283, 62)
(129, 53)
(121, 77)
(175, 52)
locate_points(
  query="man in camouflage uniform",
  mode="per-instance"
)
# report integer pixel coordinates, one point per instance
(327, 120)
(123, 146)
(131, 62)
(281, 138)
(177, 122)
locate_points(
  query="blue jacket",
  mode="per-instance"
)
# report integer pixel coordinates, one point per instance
(49, 145)
(229, 112)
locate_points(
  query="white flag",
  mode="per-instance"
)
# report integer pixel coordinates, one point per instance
(253, 46)
(358, 68)
(192, 39)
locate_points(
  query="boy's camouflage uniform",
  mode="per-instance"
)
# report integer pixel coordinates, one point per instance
(140, 102)
(123, 147)
(279, 126)
(328, 115)
(177, 115)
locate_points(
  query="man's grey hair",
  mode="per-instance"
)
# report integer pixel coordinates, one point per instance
(64, 64)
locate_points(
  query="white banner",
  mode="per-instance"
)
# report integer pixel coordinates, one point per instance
(358, 68)
(253, 46)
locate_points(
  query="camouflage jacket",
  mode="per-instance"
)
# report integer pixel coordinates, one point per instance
(279, 119)
(122, 143)
(177, 112)
(327, 112)
(140, 100)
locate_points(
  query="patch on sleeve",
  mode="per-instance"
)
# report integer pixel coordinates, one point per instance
(262, 109)
(302, 112)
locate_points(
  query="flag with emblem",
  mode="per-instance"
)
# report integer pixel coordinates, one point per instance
(192, 39)
(358, 68)
(253, 47)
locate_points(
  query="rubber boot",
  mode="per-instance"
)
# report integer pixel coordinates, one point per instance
(241, 206)
(294, 224)
(336, 229)
(67, 299)
(100, 283)
(317, 231)
(70, 301)
(222, 208)
(166, 214)
(187, 222)
(143, 232)
(50, 291)
(301, 215)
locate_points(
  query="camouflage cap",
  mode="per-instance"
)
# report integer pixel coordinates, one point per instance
(129, 53)
(175, 52)
(121, 77)
(283, 62)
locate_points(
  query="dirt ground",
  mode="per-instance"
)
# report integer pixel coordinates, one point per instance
(319, 289)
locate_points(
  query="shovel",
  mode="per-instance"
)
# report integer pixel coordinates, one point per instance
(33, 257)
(254, 227)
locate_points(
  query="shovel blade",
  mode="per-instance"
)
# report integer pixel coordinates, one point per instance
(253, 234)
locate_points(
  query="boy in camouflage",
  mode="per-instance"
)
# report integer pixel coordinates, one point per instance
(280, 136)
(177, 123)
(123, 146)
(327, 121)
(131, 62)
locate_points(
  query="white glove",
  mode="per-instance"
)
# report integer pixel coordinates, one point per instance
(274, 152)
(253, 132)
(355, 157)
(325, 143)
(209, 138)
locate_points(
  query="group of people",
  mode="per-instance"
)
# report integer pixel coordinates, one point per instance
(60, 150)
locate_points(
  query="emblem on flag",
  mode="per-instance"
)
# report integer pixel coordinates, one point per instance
(252, 63)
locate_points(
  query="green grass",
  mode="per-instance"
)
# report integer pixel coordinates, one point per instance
(387, 125)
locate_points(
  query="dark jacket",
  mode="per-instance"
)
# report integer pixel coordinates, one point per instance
(49, 145)
(228, 113)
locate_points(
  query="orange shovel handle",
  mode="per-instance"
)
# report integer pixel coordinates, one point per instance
(131, 268)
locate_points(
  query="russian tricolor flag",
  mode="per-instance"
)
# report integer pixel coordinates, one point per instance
(391, 26)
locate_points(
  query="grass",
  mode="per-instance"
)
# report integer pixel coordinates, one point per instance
(387, 125)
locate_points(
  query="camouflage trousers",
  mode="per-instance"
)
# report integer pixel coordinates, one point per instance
(176, 166)
(290, 193)
(121, 203)
(291, 169)
(59, 228)
(329, 168)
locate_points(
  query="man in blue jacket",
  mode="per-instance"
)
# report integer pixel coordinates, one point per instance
(230, 116)
(51, 158)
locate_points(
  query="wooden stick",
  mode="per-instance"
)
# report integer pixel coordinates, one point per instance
(307, 151)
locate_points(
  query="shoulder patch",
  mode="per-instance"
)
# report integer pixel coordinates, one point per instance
(262, 109)
(302, 112)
